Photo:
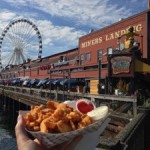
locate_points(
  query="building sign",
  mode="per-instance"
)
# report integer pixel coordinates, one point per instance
(111, 36)
(120, 64)
(64, 63)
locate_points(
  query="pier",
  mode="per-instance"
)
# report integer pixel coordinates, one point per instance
(129, 124)
(33, 96)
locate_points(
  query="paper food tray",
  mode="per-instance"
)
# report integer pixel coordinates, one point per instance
(90, 134)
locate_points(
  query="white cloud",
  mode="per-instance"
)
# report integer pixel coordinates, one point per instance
(62, 37)
(6, 16)
(55, 36)
(85, 12)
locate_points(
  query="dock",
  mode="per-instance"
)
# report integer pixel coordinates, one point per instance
(129, 123)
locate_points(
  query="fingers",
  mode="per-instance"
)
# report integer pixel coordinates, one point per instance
(21, 134)
(23, 141)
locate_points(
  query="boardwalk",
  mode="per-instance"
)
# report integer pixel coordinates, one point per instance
(132, 124)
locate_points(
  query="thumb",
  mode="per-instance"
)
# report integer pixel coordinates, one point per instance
(21, 134)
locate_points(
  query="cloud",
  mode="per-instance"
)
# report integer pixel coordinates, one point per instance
(58, 38)
(62, 22)
(86, 12)
(5, 16)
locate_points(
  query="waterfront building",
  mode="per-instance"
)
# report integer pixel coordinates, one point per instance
(94, 59)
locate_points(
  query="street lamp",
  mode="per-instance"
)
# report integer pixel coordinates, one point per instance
(109, 53)
(63, 85)
(100, 56)
(69, 75)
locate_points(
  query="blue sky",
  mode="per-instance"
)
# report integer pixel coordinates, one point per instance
(62, 22)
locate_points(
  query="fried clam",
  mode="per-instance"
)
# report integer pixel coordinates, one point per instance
(55, 118)
(48, 125)
(61, 113)
(85, 121)
(63, 126)
(36, 109)
(36, 116)
(52, 104)
(31, 122)
(75, 116)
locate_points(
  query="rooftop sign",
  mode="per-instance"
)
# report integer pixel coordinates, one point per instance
(111, 36)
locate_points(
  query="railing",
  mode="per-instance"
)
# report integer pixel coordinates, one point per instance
(33, 96)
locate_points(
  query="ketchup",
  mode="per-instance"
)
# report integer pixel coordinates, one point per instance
(85, 107)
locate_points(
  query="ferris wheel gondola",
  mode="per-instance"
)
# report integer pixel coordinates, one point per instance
(19, 41)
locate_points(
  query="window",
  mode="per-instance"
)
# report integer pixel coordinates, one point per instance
(88, 56)
(82, 59)
(104, 66)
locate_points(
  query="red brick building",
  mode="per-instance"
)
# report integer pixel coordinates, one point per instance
(84, 62)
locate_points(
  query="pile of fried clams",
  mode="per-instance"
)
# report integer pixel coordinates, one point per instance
(55, 117)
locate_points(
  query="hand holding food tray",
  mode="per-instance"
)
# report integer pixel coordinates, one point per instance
(58, 122)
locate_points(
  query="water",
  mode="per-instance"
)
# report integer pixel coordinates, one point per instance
(7, 125)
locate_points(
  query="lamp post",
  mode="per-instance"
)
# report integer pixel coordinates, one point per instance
(109, 53)
(100, 56)
(50, 85)
(69, 75)
(63, 86)
(141, 43)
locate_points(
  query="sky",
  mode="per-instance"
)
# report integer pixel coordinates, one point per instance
(62, 22)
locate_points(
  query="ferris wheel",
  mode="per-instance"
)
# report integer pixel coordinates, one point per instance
(19, 41)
